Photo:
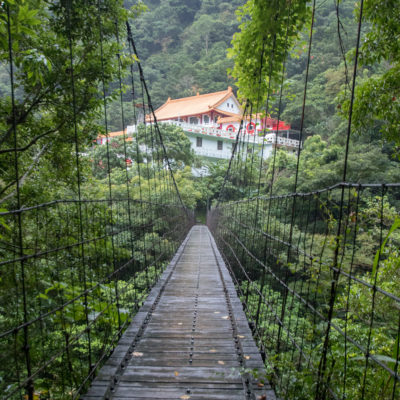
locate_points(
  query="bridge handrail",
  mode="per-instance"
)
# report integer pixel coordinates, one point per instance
(270, 137)
(71, 201)
(319, 191)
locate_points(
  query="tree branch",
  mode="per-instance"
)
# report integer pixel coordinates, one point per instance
(26, 174)
(34, 140)
(22, 117)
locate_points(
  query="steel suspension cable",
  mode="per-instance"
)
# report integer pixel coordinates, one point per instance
(323, 363)
(288, 255)
(125, 138)
(153, 116)
(78, 177)
(110, 194)
(26, 347)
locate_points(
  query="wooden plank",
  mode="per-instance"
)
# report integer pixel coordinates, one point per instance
(190, 340)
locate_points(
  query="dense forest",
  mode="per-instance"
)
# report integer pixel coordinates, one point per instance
(183, 46)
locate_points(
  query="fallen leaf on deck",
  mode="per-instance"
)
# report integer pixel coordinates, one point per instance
(247, 357)
(263, 397)
(241, 336)
(216, 312)
(213, 351)
(185, 397)
(259, 384)
(221, 362)
(176, 373)
(137, 354)
(225, 317)
(179, 323)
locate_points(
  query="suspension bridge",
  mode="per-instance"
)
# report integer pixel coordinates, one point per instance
(190, 339)
(120, 294)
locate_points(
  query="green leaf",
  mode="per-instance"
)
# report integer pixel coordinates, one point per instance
(396, 224)
(396, 348)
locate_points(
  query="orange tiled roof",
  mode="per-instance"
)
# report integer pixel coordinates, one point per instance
(186, 106)
(253, 118)
(227, 120)
(237, 118)
(114, 135)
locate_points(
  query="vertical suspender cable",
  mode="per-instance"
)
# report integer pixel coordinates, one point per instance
(233, 155)
(78, 177)
(110, 196)
(125, 137)
(19, 215)
(265, 247)
(266, 114)
(289, 250)
(322, 365)
(130, 39)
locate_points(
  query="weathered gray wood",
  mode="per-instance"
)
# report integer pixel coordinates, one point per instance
(190, 339)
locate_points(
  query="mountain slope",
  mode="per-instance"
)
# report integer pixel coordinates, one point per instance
(182, 44)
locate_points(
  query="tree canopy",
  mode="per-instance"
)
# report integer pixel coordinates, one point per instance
(267, 31)
(57, 61)
(377, 101)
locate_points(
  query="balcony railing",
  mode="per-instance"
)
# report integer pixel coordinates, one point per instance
(212, 130)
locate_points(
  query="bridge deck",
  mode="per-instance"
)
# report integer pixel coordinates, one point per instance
(190, 340)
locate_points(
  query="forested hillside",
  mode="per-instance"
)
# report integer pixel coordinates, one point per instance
(183, 43)
(183, 48)
(372, 152)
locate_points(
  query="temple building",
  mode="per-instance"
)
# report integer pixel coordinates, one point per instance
(212, 121)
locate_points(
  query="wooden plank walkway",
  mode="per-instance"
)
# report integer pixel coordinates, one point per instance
(190, 340)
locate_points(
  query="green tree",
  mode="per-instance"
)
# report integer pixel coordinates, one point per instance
(177, 144)
(183, 46)
(377, 100)
(267, 31)
(112, 157)
(199, 34)
(43, 37)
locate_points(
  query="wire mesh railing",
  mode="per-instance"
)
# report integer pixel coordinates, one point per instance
(319, 283)
(68, 296)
